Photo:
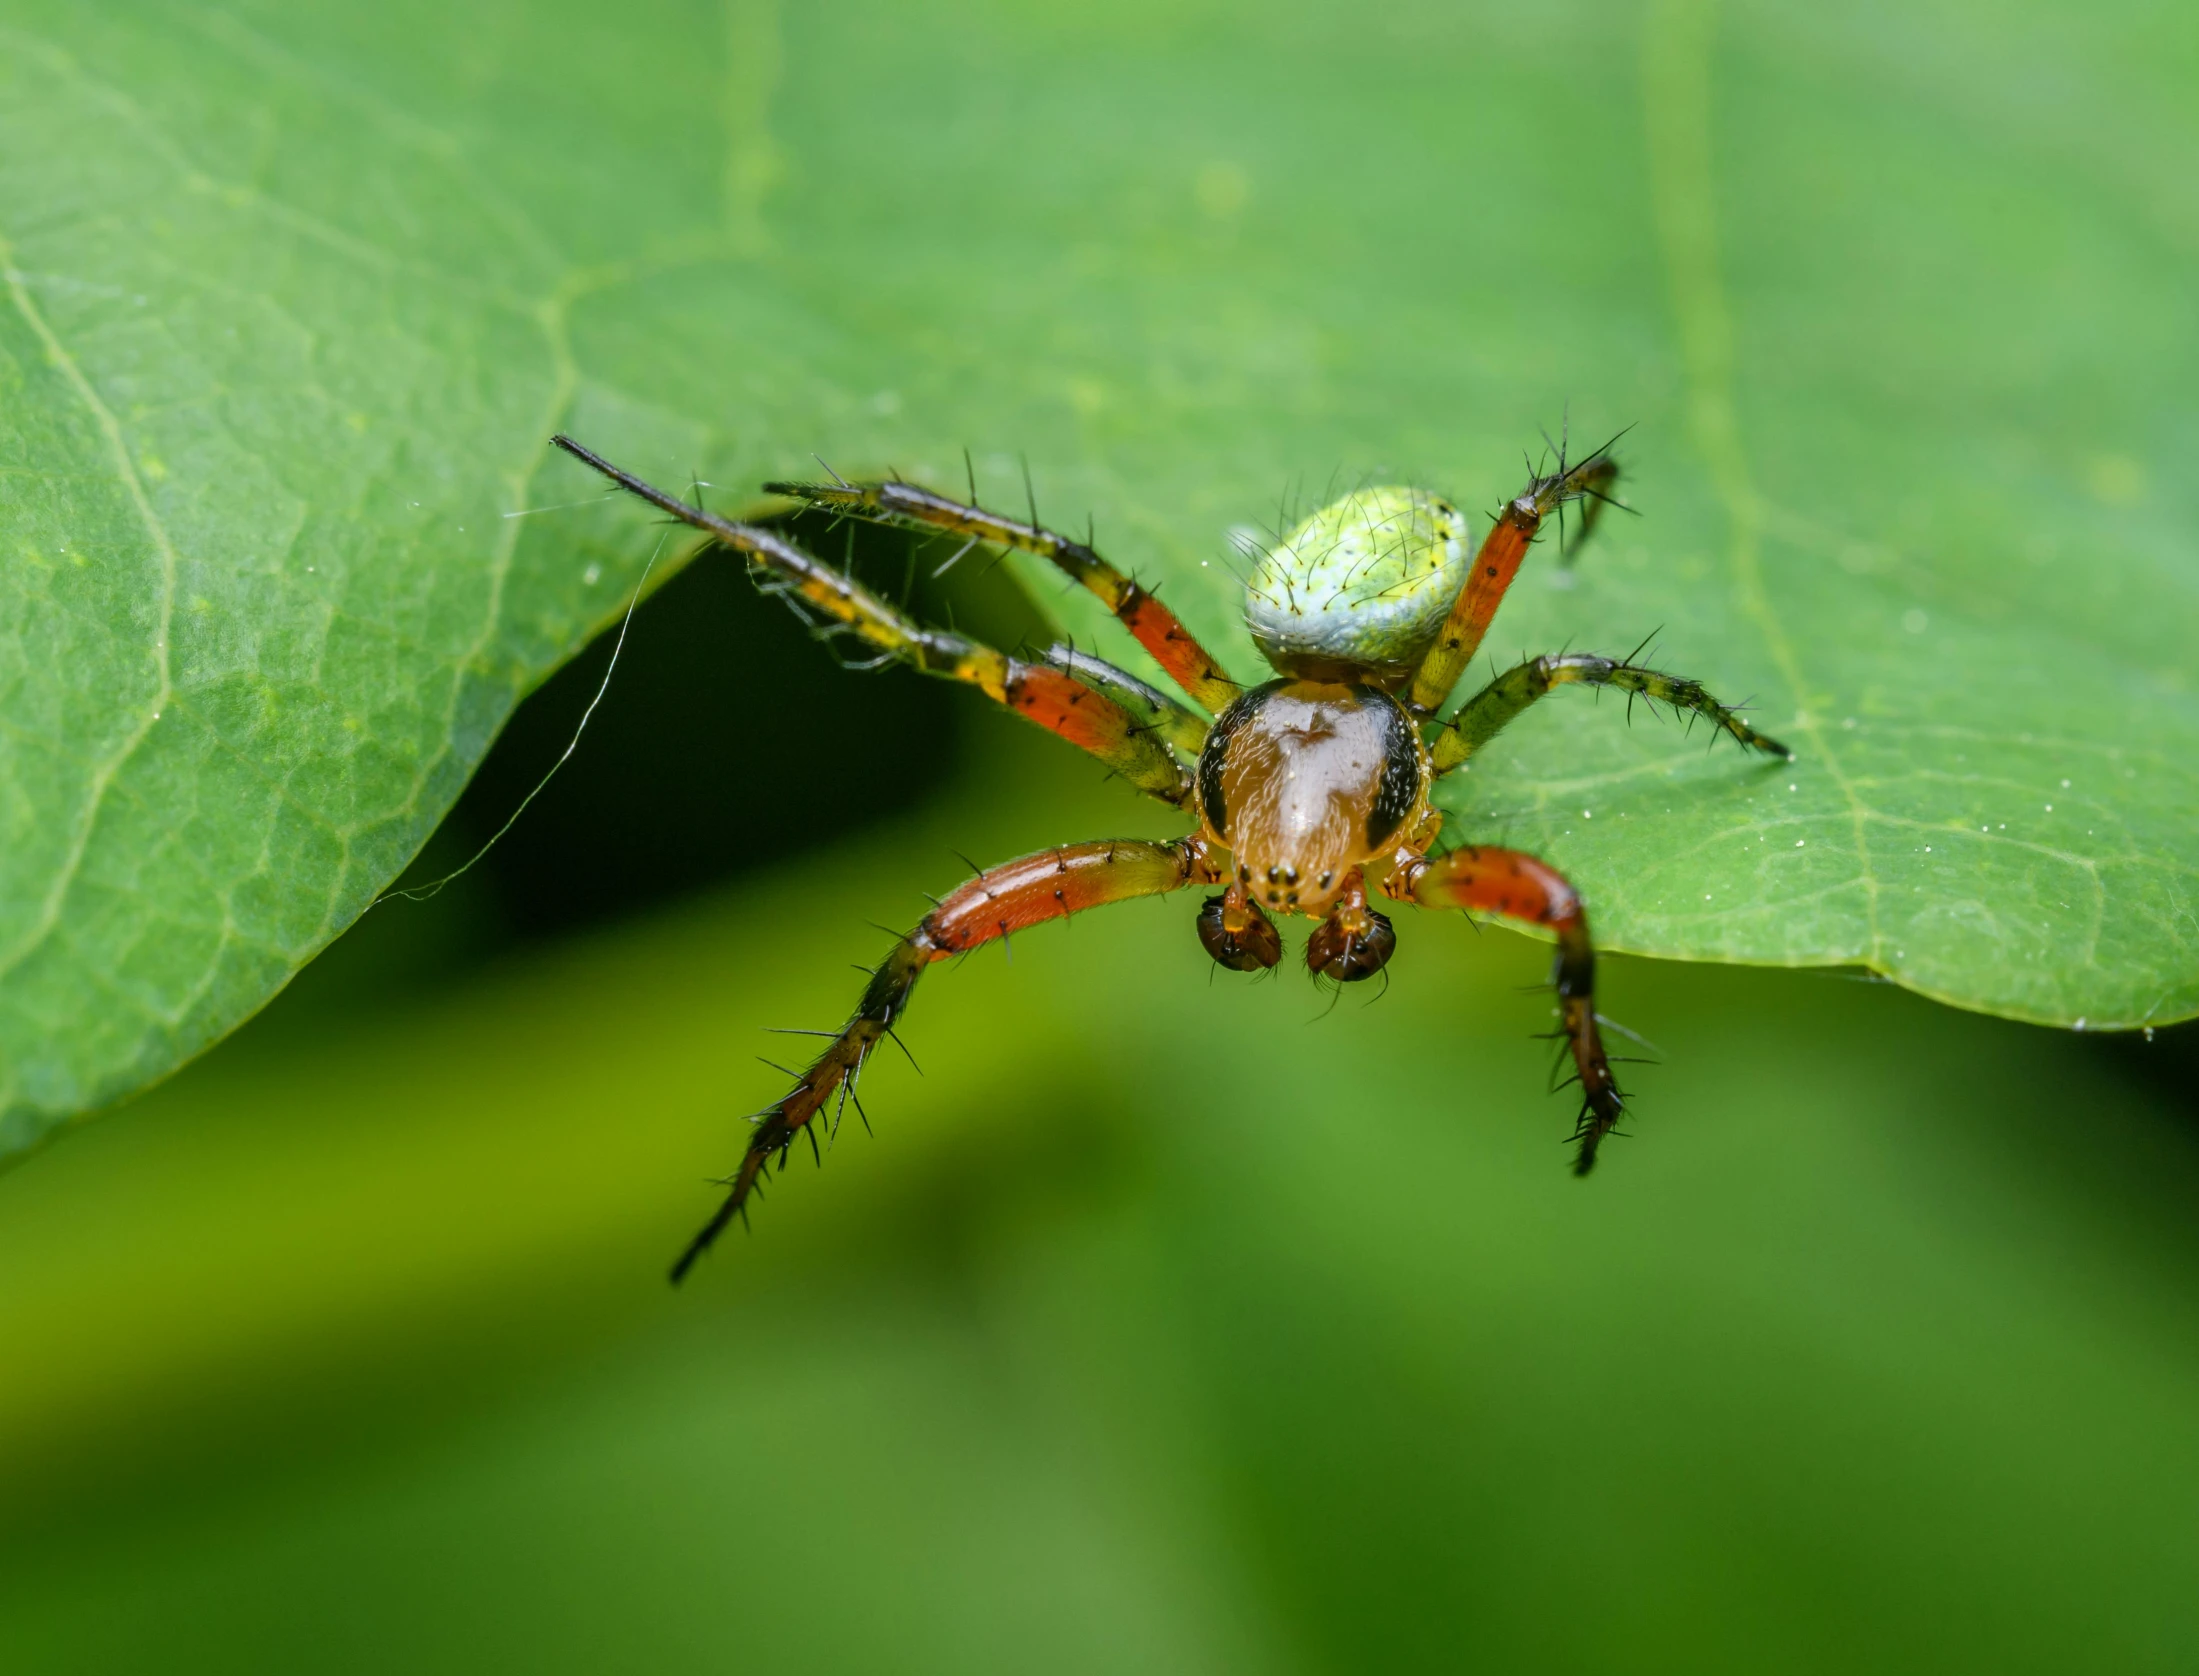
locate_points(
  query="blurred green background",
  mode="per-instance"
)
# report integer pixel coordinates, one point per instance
(1171, 1321)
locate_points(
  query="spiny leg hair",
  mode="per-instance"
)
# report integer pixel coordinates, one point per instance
(1176, 722)
(1508, 882)
(1517, 524)
(1052, 698)
(1482, 717)
(1049, 885)
(1154, 626)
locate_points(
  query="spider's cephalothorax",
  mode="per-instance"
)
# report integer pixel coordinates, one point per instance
(1306, 784)
(1308, 791)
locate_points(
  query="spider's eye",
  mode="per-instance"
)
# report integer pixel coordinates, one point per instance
(1327, 879)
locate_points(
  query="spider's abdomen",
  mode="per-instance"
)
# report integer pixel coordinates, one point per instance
(1358, 591)
(1302, 781)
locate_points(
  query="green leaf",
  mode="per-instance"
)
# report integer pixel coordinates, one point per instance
(1898, 299)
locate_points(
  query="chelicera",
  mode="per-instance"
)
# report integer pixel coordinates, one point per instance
(1310, 790)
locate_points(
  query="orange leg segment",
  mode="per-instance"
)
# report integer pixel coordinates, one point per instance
(1000, 901)
(1520, 887)
(1154, 626)
(837, 604)
(1495, 566)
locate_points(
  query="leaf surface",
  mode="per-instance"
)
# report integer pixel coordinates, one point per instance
(1898, 300)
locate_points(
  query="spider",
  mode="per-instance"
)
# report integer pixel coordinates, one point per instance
(1309, 790)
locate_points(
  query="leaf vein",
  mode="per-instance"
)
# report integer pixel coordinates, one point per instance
(103, 774)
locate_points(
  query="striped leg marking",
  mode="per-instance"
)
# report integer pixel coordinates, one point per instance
(1050, 885)
(1520, 887)
(839, 604)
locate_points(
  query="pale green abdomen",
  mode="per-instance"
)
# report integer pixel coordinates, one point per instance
(1359, 589)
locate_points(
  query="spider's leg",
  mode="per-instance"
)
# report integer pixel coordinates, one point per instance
(1498, 562)
(1508, 882)
(1179, 724)
(1051, 697)
(1489, 711)
(998, 902)
(1155, 627)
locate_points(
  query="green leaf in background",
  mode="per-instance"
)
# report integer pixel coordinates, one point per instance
(349, 1350)
(1899, 299)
